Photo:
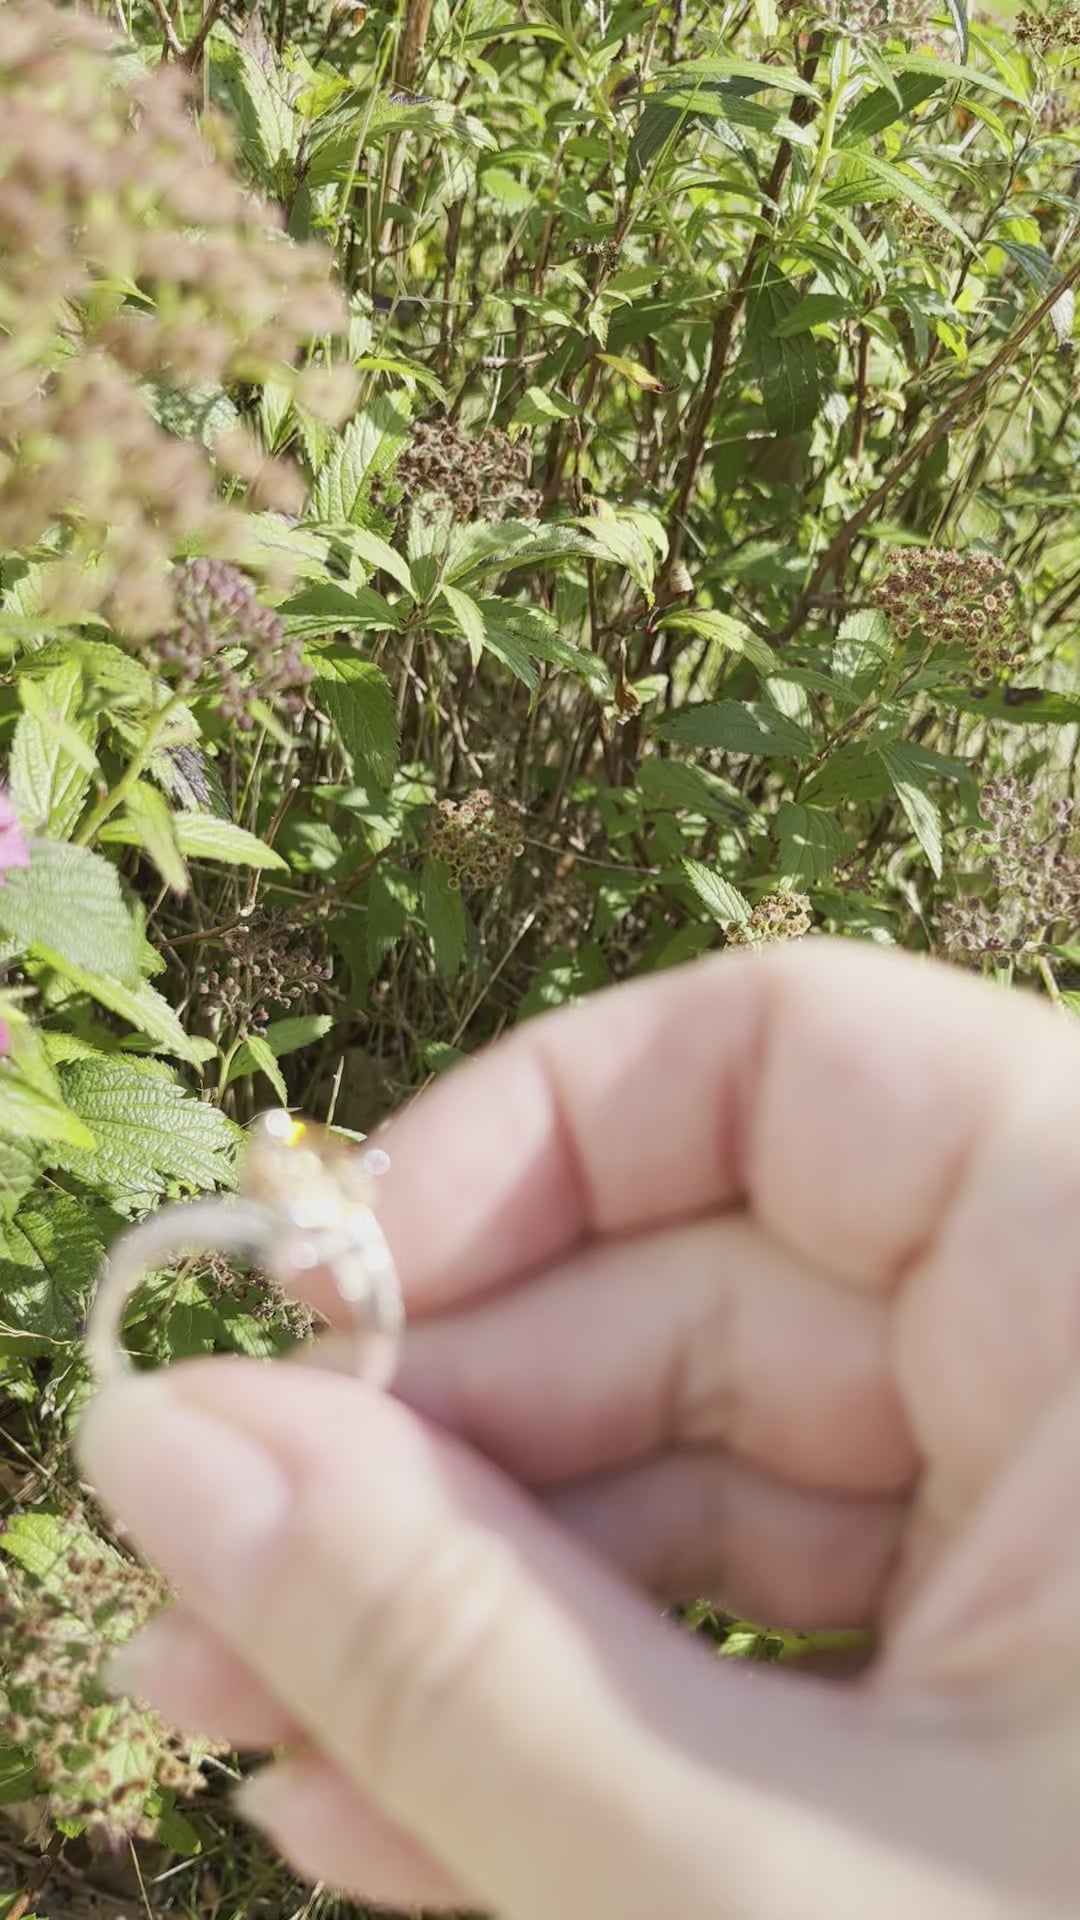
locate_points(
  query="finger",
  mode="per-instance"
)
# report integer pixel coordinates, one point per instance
(705, 1332)
(197, 1682)
(328, 1831)
(988, 1327)
(512, 1705)
(701, 1525)
(838, 1087)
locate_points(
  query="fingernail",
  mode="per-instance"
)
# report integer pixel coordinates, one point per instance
(202, 1500)
(130, 1670)
(258, 1798)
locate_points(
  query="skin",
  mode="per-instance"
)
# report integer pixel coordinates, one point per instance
(757, 1279)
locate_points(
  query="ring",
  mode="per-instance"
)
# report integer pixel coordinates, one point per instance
(305, 1199)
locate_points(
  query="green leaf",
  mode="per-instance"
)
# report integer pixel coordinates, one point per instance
(1021, 706)
(811, 841)
(52, 754)
(468, 618)
(958, 14)
(359, 703)
(144, 1008)
(813, 310)
(736, 726)
(257, 1056)
(881, 108)
(18, 1172)
(378, 553)
(786, 368)
(259, 99)
(296, 1030)
(671, 784)
(331, 608)
(203, 836)
(732, 634)
(387, 916)
(907, 185)
(444, 917)
(41, 1542)
(152, 819)
(719, 898)
(54, 1250)
(67, 903)
(909, 779)
(26, 1113)
(152, 1136)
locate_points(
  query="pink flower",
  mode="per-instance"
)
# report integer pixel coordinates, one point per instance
(14, 851)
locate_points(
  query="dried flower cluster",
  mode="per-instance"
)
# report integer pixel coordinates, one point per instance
(97, 1758)
(1031, 877)
(477, 476)
(957, 599)
(268, 962)
(222, 638)
(1055, 26)
(105, 185)
(783, 915)
(916, 232)
(274, 1310)
(879, 20)
(478, 837)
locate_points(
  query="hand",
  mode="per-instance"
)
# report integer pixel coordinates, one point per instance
(759, 1279)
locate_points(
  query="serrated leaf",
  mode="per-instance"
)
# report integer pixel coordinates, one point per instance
(29, 1114)
(671, 784)
(68, 903)
(18, 1172)
(41, 1542)
(359, 702)
(909, 779)
(52, 755)
(727, 632)
(786, 368)
(151, 1134)
(468, 619)
(281, 1037)
(736, 726)
(367, 447)
(443, 913)
(811, 842)
(203, 836)
(331, 608)
(296, 1030)
(153, 820)
(258, 1057)
(719, 898)
(144, 1008)
(54, 1251)
(378, 553)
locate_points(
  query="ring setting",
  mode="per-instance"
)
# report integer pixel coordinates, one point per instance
(305, 1201)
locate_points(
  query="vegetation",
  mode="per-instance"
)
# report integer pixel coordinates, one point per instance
(494, 499)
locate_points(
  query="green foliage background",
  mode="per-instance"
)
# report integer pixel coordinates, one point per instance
(712, 308)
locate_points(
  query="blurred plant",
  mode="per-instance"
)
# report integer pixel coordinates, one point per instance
(129, 253)
(67, 1599)
(1028, 879)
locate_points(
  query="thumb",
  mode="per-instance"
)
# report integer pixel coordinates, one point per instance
(509, 1704)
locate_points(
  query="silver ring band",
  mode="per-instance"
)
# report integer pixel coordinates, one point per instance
(309, 1209)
